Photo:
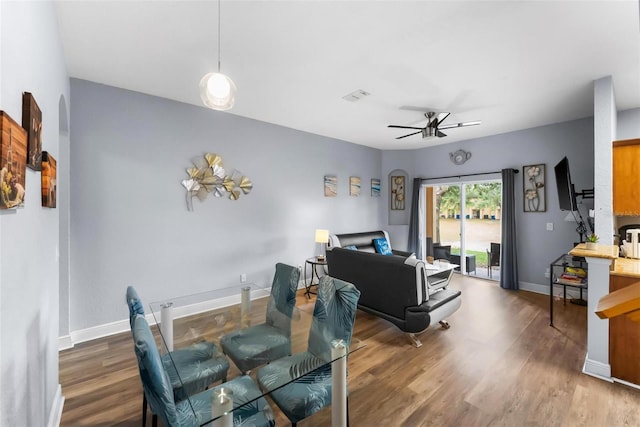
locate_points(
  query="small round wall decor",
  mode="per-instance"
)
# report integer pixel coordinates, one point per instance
(459, 157)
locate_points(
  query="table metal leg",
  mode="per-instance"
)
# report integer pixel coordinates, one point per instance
(166, 324)
(339, 385)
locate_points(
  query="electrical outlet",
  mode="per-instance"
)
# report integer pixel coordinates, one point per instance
(299, 267)
(243, 278)
(547, 273)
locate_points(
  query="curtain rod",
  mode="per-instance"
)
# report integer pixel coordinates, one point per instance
(468, 174)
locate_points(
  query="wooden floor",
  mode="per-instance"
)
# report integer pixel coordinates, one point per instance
(500, 364)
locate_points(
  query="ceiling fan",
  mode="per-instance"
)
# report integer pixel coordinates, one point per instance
(434, 126)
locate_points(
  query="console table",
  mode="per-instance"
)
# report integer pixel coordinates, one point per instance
(559, 266)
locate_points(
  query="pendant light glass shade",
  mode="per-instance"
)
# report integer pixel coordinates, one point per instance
(217, 91)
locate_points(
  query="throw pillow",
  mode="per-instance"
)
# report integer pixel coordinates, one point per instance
(351, 247)
(382, 246)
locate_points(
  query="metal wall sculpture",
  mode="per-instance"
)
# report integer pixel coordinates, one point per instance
(209, 176)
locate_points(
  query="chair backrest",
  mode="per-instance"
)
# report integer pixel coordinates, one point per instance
(333, 315)
(155, 380)
(134, 303)
(283, 297)
(495, 255)
(441, 252)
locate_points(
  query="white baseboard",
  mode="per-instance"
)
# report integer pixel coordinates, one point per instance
(65, 342)
(627, 383)
(534, 287)
(101, 331)
(544, 289)
(56, 409)
(597, 369)
(112, 328)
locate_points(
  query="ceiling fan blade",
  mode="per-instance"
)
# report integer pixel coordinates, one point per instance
(404, 136)
(459, 125)
(402, 127)
(440, 134)
(442, 117)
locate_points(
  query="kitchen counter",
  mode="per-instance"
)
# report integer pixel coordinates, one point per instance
(600, 251)
(627, 267)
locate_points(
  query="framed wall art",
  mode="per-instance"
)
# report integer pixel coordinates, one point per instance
(49, 180)
(375, 187)
(354, 186)
(397, 193)
(330, 186)
(32, 123)
(534, 188)
(13, 157)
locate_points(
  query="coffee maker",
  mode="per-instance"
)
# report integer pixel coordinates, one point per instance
(631, 245)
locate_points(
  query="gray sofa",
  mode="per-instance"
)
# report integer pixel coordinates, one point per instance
(393, 287)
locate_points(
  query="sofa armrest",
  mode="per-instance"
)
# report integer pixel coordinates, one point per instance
(402, 253)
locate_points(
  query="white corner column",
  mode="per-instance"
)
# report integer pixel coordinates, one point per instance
(597, 359)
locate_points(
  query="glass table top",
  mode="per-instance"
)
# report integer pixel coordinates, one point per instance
(186, 320)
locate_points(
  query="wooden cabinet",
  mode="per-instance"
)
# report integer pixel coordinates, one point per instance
(626, 177)
(624, 339)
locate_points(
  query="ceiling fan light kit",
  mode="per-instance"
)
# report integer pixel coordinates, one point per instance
(217, 90)
(434, 126)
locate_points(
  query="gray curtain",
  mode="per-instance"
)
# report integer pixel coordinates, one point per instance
(508, 255)
(414, 230)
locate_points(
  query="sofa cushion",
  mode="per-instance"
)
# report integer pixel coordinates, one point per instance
(382, 246)
(362, 241)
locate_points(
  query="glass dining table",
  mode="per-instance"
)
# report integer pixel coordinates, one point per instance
(208, 316)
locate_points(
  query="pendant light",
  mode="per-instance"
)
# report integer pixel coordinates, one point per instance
(217, 90)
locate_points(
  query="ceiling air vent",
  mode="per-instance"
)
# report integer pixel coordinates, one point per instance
(356, 95)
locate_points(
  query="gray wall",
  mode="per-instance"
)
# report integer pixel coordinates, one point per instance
(628, 124)
(129, 222)
(548, 144)
(31, 60)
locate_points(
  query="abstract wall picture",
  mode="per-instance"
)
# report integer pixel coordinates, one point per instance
(330, 186)
(354, 186)
(32, 123)
(13, 158)
(375, 187)
(207, 175)
(49, 180)
(535, 198)
(397, 193)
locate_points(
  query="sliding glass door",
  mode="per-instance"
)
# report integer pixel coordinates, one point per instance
(462, 224)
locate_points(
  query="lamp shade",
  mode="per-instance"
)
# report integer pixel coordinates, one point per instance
(322, 236)
(217, 91)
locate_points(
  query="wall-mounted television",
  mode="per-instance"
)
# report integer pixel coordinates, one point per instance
(566, 190)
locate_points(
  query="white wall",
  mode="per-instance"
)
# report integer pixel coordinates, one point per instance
(130, 224)
(31, 60)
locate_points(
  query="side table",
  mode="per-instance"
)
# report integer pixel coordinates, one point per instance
(313, 264)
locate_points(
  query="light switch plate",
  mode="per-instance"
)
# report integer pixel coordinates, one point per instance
(549, 226)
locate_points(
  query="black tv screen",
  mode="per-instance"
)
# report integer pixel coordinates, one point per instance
(566, 191)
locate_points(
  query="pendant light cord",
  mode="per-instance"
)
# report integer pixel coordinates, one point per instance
(218, 36)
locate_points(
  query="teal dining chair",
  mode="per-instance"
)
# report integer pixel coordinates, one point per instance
(199, 365)
(333, 319)
(252, 409)
(256, 345)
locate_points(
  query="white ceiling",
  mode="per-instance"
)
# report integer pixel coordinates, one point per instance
(512, 64)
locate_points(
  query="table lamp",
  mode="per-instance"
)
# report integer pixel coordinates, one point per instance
(322, 236)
